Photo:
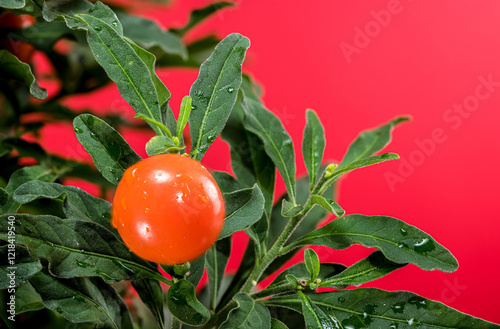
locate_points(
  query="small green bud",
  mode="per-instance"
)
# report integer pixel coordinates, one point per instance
(181, 269)
(330, 169)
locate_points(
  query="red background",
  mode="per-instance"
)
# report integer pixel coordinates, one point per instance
(428, 57)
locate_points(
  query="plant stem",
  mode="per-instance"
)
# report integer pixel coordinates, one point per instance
(156, 123)
(271, 254)
(282, 288)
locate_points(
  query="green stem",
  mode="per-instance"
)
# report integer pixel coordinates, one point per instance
(272, 253)
(280, 289)
(156, 123)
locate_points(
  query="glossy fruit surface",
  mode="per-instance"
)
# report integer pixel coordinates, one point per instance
(168, 209)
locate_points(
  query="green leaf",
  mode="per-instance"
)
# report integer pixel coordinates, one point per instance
(161, 90)
(374, 308)
(400, 242)
(124, 67)
(196, 271)
(148, 34)
(249, 163)
(198, 15)
(248, 314)
(30, 8)
(243, 208)
(16, 266)
(183, 115)
(82, 300)
(109, 151)
(77, 248)
(160, 145)
(77, 204)
(370, 142)
(151, 294)
(226, 182)
(307, 225)
(291, 319)
(280, 284)
(315, 318)
(313, 145)
(277, 324)
(182, 303)
(311, 260)
(27, 299)
(375, 159)
(216, 260)
(214, 92)
(277, 143)
(22, 176)
(289, 209)
(371, 268)
(328, 204)
(12, 68)
(4, 196)
(12, 4)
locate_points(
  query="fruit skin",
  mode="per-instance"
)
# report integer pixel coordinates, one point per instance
(23, 51)
(168, 209)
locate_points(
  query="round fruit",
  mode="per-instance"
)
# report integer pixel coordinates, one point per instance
(168, 209)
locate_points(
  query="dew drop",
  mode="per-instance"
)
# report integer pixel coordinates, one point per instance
(80, 299)
(98, 28)
(418, 301)
(403, 232)
(59, 310)
(410, 322)
(398, 307)
(230, 89)
(341, 299)
(78, 130)
(423, 246)
(131, 63)
(114, 23)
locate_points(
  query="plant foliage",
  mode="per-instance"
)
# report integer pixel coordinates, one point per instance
(70, 264)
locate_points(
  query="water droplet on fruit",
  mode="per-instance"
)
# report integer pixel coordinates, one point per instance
(134, 172)
(146, 210)
(203, 198)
